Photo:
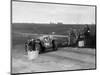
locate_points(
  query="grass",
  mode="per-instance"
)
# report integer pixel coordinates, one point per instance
(62, 29)
(49, 28)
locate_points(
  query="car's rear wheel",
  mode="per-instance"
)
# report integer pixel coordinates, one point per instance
(54, 45)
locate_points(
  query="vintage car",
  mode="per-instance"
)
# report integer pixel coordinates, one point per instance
(42, 44)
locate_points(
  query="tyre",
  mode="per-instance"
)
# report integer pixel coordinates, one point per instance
(38, 47)
(42, 47)
(54, 45)
(25, 48)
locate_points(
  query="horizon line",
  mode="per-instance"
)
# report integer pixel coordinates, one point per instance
(53, 23)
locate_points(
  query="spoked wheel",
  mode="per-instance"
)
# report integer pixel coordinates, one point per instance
(38, 48)
(54, 45)
(26, 49)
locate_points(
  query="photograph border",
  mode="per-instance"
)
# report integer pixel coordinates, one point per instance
(58, 4)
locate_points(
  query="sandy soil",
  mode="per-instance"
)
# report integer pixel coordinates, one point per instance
(63, 59)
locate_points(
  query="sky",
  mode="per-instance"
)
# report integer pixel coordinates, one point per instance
(27, 12)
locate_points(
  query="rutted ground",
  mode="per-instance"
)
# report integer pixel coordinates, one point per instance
(63, 59)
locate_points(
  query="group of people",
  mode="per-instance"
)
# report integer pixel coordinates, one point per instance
(75, 36)
(37, 44)
(85, 36)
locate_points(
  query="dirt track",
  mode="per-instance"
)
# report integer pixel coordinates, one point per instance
(63, 59)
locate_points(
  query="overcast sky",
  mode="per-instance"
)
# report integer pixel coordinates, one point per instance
(26, 12)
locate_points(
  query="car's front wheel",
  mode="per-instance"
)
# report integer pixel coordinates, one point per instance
(38, 47)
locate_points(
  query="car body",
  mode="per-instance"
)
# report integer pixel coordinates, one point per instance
(46, 42)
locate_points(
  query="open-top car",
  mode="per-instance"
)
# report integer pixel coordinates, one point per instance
(43, 43)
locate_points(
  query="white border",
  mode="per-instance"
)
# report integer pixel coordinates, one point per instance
(5, 37)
